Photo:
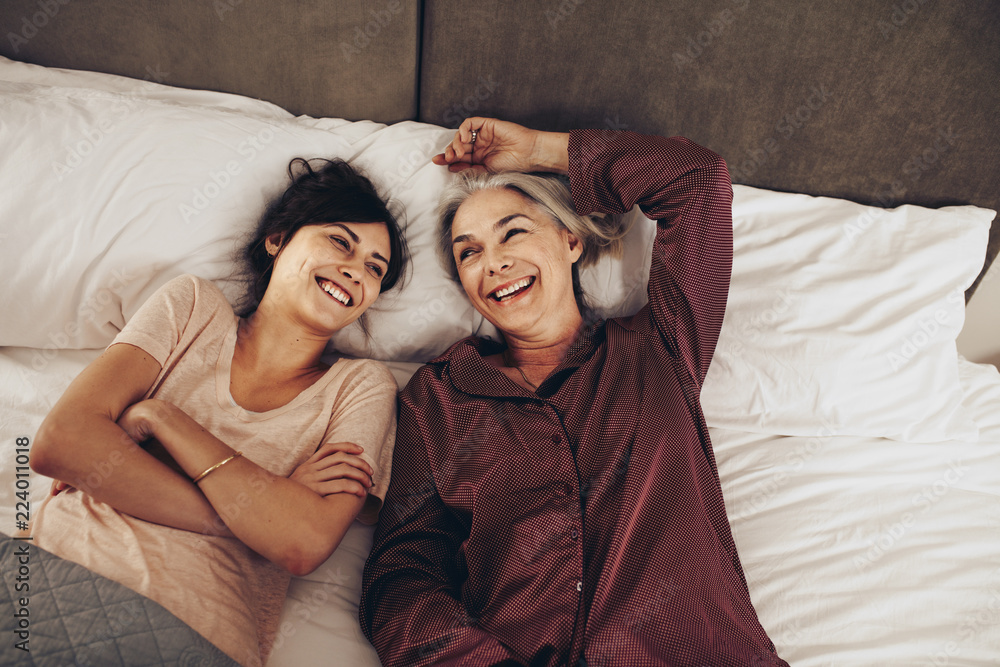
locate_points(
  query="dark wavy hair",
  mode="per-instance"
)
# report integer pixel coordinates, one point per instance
(334, 192)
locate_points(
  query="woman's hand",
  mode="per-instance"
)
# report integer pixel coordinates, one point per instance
(336, 467)
(58, 487)
(504, 146)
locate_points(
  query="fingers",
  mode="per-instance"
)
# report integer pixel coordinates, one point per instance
(463, 166)
(460, 154)
(328, 447)
(348, 471)
(333, 454)
(341, 486)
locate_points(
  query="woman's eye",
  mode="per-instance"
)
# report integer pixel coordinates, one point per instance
(463, 255)
(342, 242)
(512, 232)
(376, 270)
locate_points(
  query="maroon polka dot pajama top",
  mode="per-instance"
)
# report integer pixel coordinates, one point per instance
(583, 524)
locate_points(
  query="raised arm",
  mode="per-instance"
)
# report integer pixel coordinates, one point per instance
(81, 444)
(687, 189)
(682, 185)
(411, 607)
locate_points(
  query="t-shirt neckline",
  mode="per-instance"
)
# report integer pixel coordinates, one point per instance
(223, 379)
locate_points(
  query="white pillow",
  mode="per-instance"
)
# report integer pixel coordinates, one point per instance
(841, 318)
(115, 186)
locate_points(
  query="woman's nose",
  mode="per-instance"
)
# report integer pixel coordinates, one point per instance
(497, 263)
(350, 273)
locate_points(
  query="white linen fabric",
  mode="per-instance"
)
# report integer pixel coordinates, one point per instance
(869, 551)
(842, 318)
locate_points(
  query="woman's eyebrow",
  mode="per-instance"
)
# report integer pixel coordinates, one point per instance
(355, 238)
(497, 226)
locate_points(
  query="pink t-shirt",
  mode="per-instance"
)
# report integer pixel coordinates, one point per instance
(219, 586)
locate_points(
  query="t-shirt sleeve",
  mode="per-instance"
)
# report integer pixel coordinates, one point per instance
(365, 414)
(169, 316)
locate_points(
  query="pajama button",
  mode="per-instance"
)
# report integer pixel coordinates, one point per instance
(574, 533)
(564, 489)
(579, 586)
(556, 438)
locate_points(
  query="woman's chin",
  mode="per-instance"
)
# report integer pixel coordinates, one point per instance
(517, 324)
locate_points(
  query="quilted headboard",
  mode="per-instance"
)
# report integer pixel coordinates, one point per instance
(880, 101)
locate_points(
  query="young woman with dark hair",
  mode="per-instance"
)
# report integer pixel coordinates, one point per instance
(266, 453)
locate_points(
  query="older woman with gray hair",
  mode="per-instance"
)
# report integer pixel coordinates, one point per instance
(555, 499)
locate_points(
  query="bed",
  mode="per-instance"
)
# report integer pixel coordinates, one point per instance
(858, 450)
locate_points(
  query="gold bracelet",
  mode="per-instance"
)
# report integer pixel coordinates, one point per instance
(215, 467)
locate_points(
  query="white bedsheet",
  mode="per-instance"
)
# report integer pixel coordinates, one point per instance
(857, 551)
(864, 551)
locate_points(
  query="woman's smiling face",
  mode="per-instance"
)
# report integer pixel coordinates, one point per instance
(330, 272)
(514, 261)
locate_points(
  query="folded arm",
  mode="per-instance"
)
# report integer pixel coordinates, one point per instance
(81, 444)
(277, 517)
(89, 441)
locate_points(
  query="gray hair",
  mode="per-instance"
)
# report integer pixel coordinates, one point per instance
(600, 234)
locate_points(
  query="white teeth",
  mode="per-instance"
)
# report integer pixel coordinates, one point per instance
(330, 289)
(520, 284)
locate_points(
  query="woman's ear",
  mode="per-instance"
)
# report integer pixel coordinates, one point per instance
(272, 243)
(575, 246)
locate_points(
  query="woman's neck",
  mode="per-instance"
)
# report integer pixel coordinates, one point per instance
(274, 347)
(537, 357)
